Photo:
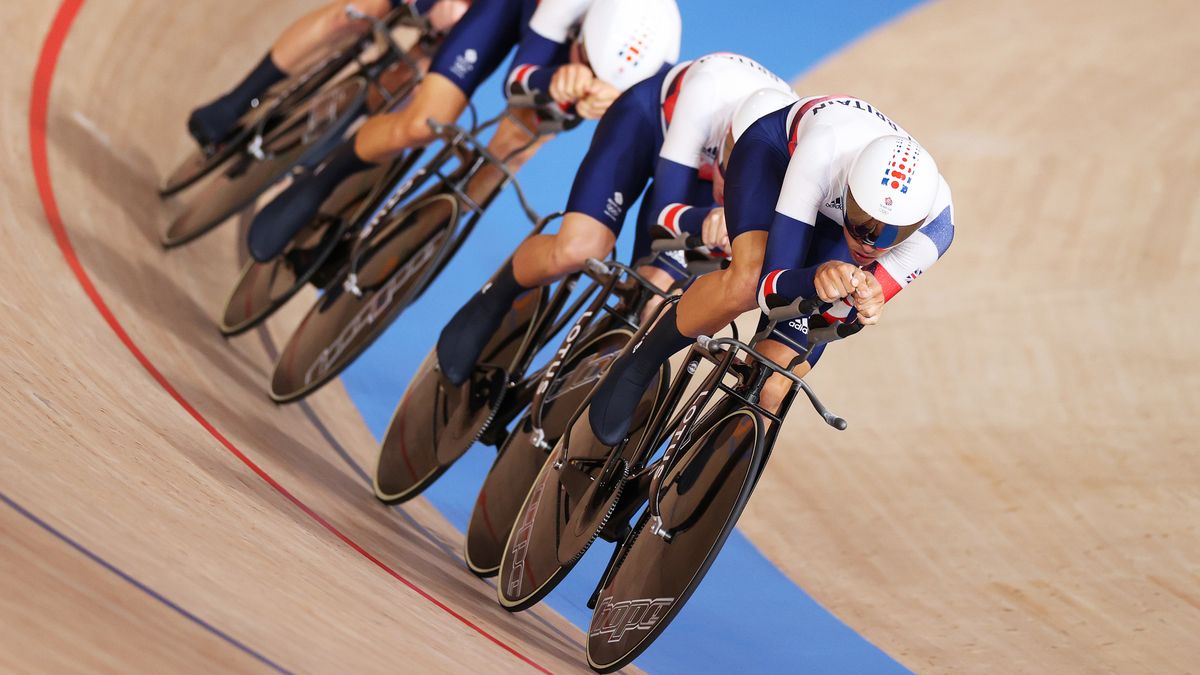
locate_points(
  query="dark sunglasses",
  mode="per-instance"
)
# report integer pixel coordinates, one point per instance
(871, 232)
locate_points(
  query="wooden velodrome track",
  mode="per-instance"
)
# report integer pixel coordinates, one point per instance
(1018, 491)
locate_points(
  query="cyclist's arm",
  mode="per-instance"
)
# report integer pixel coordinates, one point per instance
(673, 197)
(544, 46)
(804, 188)
(677, 172)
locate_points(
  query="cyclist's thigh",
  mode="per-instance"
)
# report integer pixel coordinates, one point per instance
(478, 43)
(754, 179)
(618, 163)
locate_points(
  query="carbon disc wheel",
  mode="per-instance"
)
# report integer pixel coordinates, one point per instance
(264, 287)
(426, 433)
(529, 566)
(305, 137)
(567, 506)
(500, 499)
(701, 499)
(341, 324)
(200, 162)
(516, 466)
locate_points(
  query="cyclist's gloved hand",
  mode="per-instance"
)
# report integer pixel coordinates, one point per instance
(576, 89)
(568, 83)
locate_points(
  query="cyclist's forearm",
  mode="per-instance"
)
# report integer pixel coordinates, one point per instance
(783, 270)
(534, 64)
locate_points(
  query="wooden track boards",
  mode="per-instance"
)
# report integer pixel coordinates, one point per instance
(1018, 488)
(95, 447)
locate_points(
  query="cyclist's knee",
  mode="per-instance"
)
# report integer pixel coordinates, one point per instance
(406, 130)
(741, 287)
(418, 131)
(773, 392)
(572, 253)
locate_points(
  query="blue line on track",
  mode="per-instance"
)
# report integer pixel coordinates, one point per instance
(141, 586)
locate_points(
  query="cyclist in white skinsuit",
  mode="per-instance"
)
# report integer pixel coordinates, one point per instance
(831, 133)
(827, 198)
(668, 128)
(698, 116)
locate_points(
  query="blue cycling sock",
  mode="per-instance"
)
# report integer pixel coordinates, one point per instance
(289, 212)
(211, 123)
(618, 394)
(464, 337)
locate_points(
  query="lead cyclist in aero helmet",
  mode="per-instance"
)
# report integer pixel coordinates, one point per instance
(667, 128)
(624, 42)
(300, 46)
(826, 198)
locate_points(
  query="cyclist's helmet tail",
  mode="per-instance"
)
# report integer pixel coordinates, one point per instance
(755, 106)
(893, 183)
(628, 41)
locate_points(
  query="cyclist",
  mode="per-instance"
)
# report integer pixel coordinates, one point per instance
(621, 43)
(300, 45)
(670, 127)
(830, 198)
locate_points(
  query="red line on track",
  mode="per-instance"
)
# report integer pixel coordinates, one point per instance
(43, 77)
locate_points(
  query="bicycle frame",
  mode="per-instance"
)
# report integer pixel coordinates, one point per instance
(372, 70)
(645, 481)
(473, 156)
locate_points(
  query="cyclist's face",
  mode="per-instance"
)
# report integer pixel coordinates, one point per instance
(858, 224)
(862, 254)
(869, 233)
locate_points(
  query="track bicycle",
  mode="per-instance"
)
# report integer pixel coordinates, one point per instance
(297, 131)
(669, 497)
(399, 246)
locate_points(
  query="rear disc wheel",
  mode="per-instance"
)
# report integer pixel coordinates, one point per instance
(425, 436)
(264, 287)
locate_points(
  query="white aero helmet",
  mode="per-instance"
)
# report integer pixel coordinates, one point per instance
(628, 41)
(893, 181)
(752, 108)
